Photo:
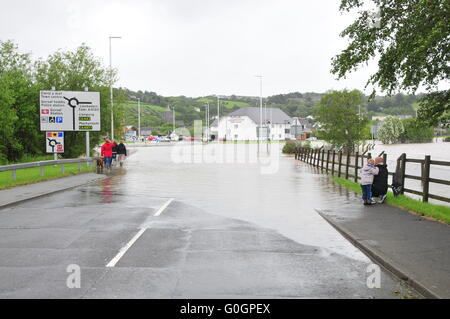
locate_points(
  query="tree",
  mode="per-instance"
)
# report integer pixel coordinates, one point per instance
(339, 116)
(416, 131)
(19, 109)
(410, 40)
(391, 130)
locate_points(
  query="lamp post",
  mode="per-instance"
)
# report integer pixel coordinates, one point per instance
(110, 86)
(260, 106)
(173, 120)
(139, 118)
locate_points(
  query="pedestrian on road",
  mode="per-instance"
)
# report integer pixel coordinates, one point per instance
(114, 153)
(380, 181)
(106, 152)
(121, 152)
(367, 174)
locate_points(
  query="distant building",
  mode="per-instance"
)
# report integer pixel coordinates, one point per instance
(301, 128)
(242, 125)
(130, 131)
(382, 118)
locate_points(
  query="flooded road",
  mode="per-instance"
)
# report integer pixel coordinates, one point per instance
(180, 221)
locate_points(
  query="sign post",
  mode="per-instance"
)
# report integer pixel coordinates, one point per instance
(69, 111)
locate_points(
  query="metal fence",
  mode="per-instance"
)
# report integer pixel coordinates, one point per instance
(42, 164)
(347, 166)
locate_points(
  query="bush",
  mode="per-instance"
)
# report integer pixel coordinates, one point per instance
(289, 147)
(447, 139)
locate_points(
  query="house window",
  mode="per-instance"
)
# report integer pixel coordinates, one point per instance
(235, 136)
(236, 126)
(287, 131)
(279, 136)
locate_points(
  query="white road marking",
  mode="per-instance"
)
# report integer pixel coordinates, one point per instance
(125, 248)
(163, 207)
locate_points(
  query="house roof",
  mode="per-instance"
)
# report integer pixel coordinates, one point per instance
(274, 115)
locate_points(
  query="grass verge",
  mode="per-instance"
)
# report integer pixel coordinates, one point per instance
(437, 212)
(32, 175)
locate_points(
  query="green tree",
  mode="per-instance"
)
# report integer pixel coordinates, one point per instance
(416, 131)
(391, 130)
(410, 40)
(338, 114)
(19, 121)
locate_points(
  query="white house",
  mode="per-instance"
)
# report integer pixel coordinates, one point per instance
(242, 124)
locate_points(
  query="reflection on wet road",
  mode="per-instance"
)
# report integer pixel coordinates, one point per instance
(230, 231)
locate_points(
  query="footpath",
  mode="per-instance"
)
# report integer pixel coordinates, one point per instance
(18, 194)
(413, 248)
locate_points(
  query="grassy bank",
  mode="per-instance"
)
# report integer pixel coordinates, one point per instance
(32, 175)
(438, 212)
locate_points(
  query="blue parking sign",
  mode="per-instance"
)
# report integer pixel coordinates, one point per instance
(59, 119)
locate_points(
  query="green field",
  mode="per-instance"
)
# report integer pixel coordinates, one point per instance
(438, 212)
(223, 103)
(32, 175)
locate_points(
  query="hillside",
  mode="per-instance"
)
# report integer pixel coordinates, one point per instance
(154, 106)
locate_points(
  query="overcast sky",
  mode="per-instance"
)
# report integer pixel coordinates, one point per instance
(193, 47)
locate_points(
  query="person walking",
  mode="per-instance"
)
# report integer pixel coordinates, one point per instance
(121, 152)
(367, 174)
(114, 153)
(380, 181)
(106, 152)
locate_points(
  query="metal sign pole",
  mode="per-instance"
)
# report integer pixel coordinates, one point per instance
(88, 147)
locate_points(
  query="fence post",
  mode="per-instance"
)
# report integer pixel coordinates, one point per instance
(316, 158)
(323, 156)
(41, 171)
(426, 178)
(403, 170)
(356, 166)
(328, 160)
(332, 163)
(62, 168)
(79, 166)
(13, 172)
(347, 164)
(340, 163)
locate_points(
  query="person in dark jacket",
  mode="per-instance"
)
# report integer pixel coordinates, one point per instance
(380, 181)
(121, 152)
(114, 153)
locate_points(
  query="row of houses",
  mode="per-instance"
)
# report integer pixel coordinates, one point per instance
(244, 124)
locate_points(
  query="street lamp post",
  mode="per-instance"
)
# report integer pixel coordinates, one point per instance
(173, 120)
(139, 118)
(260, 106)
(110, 86)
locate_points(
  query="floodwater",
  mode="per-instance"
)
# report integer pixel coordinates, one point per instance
(273, 191)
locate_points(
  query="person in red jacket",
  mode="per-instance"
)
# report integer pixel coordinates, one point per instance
(106, 152)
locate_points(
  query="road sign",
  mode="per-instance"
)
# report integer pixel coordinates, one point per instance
(70, 111)
(54, 142)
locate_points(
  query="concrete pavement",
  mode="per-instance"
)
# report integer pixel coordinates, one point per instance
(417, 250)
(18, 194)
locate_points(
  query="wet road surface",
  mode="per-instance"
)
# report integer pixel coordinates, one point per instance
(169, 225)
